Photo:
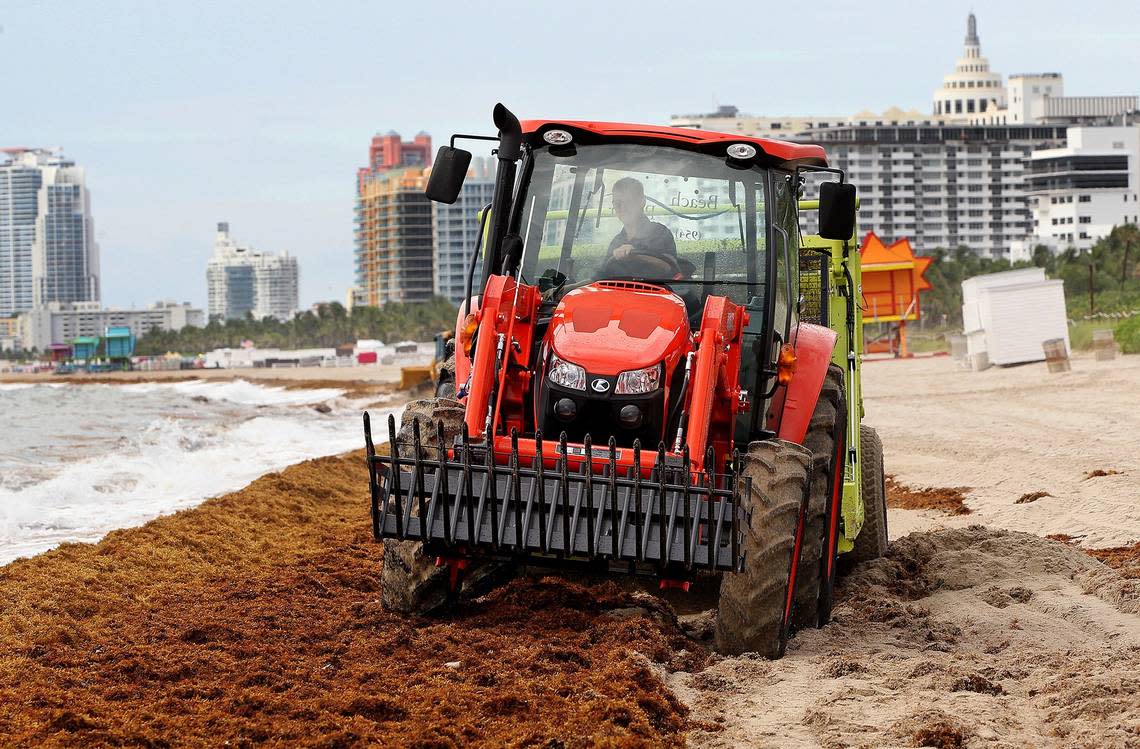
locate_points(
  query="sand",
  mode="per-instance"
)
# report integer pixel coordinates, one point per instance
(254, 619)
(970, 636)
(1009, 432)
(971, 633)
(376, 376)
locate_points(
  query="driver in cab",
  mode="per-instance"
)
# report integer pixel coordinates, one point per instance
(643, 248)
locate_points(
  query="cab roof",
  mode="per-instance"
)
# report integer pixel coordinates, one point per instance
(698, 139)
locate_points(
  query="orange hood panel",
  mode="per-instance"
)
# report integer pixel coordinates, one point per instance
(614, 326)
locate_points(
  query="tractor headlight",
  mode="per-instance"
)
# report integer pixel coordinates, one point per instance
(566, 374)
(638, 381)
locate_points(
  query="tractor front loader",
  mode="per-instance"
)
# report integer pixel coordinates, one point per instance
(655, 375)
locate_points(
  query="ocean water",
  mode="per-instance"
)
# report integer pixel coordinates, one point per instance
(77, 461)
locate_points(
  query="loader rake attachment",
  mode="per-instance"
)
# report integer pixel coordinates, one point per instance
(558, 502)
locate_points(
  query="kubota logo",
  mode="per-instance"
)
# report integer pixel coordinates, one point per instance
(600, 386)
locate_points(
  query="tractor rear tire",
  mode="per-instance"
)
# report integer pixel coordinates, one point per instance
(445, 386)
(871, 543)
(820, 439)
(751, 612)
(410, 582)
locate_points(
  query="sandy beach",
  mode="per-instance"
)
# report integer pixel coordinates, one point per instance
(254, 618)
(1006, 433)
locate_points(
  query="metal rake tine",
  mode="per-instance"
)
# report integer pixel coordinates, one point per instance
(491, 490)
(637, 498)
(445, 495)
(588, 446)
(516, 489)
(418, 479)
(565, 492)
(686, 481)
(614, 547)
(710, 482)
(373, 488)
(540, 474)
(370, 449)
(661, 500)
(394, 456)
(468, 499)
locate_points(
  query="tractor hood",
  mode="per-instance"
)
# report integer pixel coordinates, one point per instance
(611, 327)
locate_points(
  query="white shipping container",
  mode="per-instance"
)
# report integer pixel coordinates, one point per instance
(1007, 316)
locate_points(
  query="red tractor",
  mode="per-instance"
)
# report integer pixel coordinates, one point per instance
(657, 376)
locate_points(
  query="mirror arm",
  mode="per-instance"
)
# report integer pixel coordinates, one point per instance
(462, 136)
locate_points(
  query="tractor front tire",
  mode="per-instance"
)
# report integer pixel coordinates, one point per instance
(871, 543)
(411, 583)
(811, 607)
(751, 614)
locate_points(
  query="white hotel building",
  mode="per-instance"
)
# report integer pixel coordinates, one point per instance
(972, 172)
(1079, 192)
(243, 281)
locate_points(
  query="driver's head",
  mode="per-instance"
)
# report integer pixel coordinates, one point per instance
(629, 200)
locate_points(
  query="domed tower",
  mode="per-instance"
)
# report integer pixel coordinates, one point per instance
(972, 91)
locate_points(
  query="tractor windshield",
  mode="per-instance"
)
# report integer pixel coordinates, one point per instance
(642, 212)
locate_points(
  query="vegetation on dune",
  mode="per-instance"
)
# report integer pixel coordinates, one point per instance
(1128, 335)
(1111, 269)
(329, 325)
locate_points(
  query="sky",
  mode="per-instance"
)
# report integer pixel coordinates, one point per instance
(259, 113)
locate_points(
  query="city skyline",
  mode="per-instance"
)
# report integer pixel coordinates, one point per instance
(226, 123)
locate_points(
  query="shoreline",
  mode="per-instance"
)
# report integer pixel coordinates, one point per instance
(360, 381)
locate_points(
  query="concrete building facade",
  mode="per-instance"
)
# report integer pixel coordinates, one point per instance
(393, 223)
(1079, 192)
(393, 237)
(456, 229)
(242, 281)
(48, 251)
(941, 185)
(60, 322)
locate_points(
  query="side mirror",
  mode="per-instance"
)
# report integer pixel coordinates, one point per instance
(447, 174)
(836, 210)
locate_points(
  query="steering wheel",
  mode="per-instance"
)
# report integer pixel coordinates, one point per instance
(642, 265)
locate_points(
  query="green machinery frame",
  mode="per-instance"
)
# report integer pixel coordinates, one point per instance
(843, 263)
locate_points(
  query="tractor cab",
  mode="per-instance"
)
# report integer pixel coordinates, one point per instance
(626, 233)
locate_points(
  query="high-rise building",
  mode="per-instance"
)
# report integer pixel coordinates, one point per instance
(48, 251)
(393, 223)
(1078, 193)
(457, 231)
(243, 281)
(941, 185)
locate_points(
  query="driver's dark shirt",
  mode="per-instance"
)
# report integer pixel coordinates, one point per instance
(657, 240)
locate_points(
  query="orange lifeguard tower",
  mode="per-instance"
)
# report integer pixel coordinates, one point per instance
(892, 283)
